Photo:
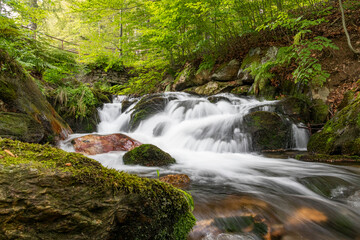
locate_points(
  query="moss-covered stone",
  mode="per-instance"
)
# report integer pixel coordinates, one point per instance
(20, 126)
(348, 98)
(148, 155)
(340, 135)
(147, 107)
(51, 194)
(242, 90)
(20, 94)
(319, 111)
(267, 129)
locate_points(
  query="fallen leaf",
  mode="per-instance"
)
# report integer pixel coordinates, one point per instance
(10, 153)
(1, 156)
(68, 164)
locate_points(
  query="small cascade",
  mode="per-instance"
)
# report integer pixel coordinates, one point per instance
(300, 136)
(196, 123)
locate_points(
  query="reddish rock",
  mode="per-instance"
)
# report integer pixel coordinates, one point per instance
(96, 144)
(177, 180)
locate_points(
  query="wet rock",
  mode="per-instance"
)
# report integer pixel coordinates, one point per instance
(97, 144)
(47, 193)
(19, 93)
(341, 134)
(227, 72)
(216, 99)
(268, 130)
(147, 107)
(177, 180)
(19, 126)
(148, 155)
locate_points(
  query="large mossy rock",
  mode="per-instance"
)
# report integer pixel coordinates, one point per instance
(341, 134)
(147, 107)
(46, 193)
(148, 155)
(19, 93)
(268, 130)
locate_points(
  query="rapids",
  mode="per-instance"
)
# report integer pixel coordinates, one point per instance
(230, 182)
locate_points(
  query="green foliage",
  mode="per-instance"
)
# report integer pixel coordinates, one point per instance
(105, 62)
(207, 63)
(303, 52)
(56, 75)
(75, 101)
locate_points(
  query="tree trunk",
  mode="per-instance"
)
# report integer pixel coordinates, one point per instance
(34, 5)
(345, 29)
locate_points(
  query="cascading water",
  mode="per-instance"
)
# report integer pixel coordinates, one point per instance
(212, 146)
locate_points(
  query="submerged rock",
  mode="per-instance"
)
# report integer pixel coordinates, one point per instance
(47, 193)
(177, 180)
(341, 134)
(148, 155)
(267, 129)
(96, 144)
(19, 93)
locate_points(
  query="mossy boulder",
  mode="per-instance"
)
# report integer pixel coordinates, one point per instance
(296, 108)
(19, 126)
(268, 130)
(328, 158)
(47, 193)
(341, 134)
(19, 93)
(148, 155)
(227, 72)
(147, 107)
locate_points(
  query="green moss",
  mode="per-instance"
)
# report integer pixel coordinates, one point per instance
(7, 92)
(148, 155)
(182, 227)
(166, 205)
(328, 158)
(248, 60)
(319, 111)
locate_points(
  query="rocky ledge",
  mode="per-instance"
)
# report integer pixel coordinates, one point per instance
(46, 193)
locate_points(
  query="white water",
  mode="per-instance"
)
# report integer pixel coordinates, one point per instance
(212, 146)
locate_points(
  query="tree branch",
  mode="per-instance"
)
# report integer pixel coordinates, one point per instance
(345, 29)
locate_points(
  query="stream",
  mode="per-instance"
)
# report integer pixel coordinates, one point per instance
(238, 192)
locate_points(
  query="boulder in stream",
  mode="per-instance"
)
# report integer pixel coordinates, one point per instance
(268, 130)
(47, 193)
(97, 144)
(148, 155)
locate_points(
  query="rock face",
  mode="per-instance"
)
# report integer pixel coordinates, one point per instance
(19, 126)
(47, 193)
(20, 94)
(296, 108)
(227, 72)
(148, 155)
(267, 129)
(177, 180)
(96, 144)
(340, 135)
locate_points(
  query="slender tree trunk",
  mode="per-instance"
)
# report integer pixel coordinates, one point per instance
(33, 5)
(345, 29)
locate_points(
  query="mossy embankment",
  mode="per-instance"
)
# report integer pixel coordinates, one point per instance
(47, 193)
